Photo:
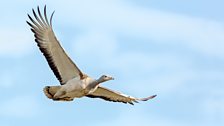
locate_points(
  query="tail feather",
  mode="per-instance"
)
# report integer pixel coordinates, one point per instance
(50, 91)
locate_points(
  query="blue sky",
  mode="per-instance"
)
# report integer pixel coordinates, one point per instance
(174, 49)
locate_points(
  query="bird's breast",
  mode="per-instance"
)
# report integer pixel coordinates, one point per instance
(74, 85)
(77, 88)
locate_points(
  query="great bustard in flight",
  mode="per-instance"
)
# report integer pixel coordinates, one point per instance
(74, 83)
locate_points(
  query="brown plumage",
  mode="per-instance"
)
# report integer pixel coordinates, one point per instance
(55, 55)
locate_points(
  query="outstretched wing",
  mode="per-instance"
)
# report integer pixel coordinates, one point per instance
(62, 66)
(109, 95)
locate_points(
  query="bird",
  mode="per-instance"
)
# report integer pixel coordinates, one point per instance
(73, 82)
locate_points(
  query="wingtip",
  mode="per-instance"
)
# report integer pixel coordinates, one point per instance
(131, 103)
(33, 10)
(38, 8)
(146, 99)
(153, 96)
(51, 17)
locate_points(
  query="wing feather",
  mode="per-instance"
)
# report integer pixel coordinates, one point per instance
(62, 66)
(109, 95)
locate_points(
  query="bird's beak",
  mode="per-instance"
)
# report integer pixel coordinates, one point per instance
(112, 78)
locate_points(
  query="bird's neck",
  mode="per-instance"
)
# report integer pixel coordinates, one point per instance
(95, 83)
(100, 81)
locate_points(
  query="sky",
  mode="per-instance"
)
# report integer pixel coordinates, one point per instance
(174, 49)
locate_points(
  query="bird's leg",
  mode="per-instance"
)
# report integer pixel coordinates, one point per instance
(58, 95)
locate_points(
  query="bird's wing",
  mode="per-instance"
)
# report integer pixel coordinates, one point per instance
(62, 66)
(109, 95)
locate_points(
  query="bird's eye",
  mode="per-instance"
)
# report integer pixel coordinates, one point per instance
(105, 76)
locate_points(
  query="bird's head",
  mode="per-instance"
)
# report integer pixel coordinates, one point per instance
(104, 78)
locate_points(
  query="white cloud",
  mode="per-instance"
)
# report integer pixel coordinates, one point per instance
(15, 42)
(20, 106)
(104, 19)
(205, 36)
(95, 42)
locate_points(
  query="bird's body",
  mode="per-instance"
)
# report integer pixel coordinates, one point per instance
(74, 83)
(75, 88)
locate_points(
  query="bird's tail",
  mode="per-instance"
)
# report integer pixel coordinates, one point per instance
(50, 91)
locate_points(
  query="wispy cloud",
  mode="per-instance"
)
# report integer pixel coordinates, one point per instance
(97, 43)
(204, 36)
(15, 42)
(20, 107)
